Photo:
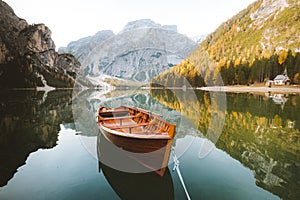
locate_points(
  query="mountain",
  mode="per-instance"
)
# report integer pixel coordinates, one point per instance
(83, 46)
(28, 57)
(253, 46)
(139, 52)
(147, 23)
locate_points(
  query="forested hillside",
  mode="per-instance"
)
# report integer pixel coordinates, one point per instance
(255, 45)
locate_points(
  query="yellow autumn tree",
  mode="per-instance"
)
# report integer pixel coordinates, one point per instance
(282, 57)
(297, 78)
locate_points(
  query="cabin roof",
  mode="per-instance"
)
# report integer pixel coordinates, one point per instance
(280, 77)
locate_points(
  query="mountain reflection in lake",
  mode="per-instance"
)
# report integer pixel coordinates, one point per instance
(256, 156)
(258, 131)
(29, 121)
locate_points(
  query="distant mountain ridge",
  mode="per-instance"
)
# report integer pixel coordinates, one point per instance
(139, 52)
(147, 23)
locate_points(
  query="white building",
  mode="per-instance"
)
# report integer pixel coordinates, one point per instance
(282, 79)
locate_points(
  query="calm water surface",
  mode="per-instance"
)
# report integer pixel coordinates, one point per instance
(246, 147)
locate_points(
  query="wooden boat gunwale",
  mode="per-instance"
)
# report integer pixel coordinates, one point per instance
(134, 135)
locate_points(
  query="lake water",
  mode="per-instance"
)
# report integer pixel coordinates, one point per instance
(230, 146)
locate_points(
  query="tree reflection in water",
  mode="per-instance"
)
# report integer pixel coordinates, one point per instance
(261, 134)
(28, 122)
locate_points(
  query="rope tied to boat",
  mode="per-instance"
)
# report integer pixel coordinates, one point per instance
(176, 167)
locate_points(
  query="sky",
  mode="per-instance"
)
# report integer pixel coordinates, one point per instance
(70, 20)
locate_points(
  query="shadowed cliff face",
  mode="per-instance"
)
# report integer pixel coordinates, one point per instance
(27, 52)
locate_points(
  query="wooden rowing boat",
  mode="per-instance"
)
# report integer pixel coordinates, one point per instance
(135, 129)
(141, 137)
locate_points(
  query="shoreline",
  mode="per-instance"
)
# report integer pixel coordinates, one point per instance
(233, 88)
(252, 89)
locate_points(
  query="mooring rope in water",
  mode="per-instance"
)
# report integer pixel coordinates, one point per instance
(176, 166)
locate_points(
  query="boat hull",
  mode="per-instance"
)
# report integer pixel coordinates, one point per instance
(135, 145)
(135, 140)
(119, 158)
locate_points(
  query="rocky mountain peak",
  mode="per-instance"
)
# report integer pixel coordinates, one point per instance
(139, 52)
(147, 23)
(104, 34)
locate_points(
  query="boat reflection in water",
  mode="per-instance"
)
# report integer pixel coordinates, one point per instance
(128, 174)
